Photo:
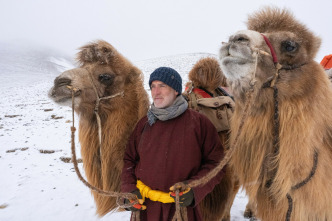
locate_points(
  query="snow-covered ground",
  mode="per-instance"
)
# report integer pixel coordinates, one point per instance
(36, 182)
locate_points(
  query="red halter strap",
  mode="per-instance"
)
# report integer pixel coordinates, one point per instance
(274, 55)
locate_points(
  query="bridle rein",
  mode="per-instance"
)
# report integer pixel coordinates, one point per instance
(117, 195)
(276, 141)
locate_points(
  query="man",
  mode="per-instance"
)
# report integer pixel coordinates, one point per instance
(171, 144)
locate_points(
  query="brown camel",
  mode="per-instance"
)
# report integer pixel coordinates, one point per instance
(284, 152)
(111, 73)
(205, 79)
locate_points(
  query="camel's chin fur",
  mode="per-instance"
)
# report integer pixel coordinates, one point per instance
(236, 69)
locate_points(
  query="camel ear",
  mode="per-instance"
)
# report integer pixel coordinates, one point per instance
(99, 51)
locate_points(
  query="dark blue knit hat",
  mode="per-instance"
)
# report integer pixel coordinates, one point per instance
(169, 76)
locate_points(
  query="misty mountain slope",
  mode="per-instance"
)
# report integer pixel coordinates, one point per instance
(37, 181)
(24, 64)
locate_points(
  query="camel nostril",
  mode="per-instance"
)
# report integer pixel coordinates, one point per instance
(62, 82)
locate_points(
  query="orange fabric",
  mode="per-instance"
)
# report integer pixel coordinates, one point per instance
(200, 92)
(327, 62)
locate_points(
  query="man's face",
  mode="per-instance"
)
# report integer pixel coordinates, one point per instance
(163, 95)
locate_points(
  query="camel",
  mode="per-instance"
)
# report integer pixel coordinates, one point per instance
(205, 80)
(283, 153)
(111, 73)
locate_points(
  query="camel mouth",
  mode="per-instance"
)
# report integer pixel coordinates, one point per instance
(235, 68)
(240, 55)
(62, 93)
(235, 59)
(231, 62)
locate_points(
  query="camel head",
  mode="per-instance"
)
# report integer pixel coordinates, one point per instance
(246, 58)
(101, 67)
(206, 73)
(102, 73)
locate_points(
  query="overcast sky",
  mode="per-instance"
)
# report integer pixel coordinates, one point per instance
(143, 29)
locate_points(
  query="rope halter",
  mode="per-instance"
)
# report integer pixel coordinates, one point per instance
(276, 141)
(98, 99)
(118, 195)
(275, 60)
(277, 65)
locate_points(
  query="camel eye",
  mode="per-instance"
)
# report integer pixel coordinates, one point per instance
(105, 50)
(106, 79)
(289, 46)
(242, 39)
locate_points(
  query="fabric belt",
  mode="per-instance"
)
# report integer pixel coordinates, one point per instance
(153, 195)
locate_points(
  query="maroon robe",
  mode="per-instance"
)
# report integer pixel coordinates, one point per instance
(181, 149)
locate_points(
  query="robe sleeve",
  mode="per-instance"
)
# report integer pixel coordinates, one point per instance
(212, 154)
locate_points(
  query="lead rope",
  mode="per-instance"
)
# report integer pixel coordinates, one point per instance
(181, 212)
(276, 141)
(97, 107)
(118, 195)
(299, 185)
(74, 159)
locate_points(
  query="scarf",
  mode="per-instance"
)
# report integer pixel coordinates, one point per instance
(179, 106)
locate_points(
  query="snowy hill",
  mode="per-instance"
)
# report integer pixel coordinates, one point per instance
(37, 183)
(30, 63)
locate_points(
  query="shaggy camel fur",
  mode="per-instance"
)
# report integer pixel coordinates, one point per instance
(111, 73)
(290, 179)
(206, 74)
